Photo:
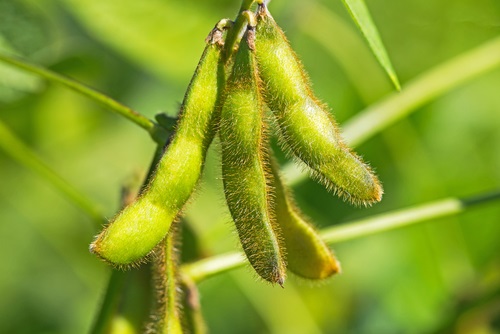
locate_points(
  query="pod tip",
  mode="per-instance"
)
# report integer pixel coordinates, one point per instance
(281, 282)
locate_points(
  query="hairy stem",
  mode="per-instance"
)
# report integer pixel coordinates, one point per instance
(237, 30)
(205, 268)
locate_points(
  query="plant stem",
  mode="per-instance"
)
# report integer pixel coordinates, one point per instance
(419, 91)
(18, 151)
(110, 303)
(392, 220)
(99, 97)
(208, 267)
(235, 33)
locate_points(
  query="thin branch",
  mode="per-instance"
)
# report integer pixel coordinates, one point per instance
(421, 90)
(99, 97)
(18, 151)
(392, 220)
(208, 267)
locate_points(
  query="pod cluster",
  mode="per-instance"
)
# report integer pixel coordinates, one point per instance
(241, 98)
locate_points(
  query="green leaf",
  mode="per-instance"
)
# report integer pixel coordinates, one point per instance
(23, 31)
(349, 50)
(362, 18)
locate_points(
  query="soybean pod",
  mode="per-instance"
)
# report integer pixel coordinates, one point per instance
(245, 174)
(308, 256)
(307, 128)
(138, 228)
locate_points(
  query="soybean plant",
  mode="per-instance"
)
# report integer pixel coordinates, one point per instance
(262, 73)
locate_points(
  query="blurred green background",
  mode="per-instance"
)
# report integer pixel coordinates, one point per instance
(436, 277)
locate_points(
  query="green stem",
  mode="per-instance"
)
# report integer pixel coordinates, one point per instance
(113, 105)
(166, 315)
(419, 91)
(18, 151)
(236, 31)
(392, 220)
(110, 303)
(205, 268)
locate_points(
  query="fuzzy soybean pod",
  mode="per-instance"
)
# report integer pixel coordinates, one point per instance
(138, 228)
(307, 254)
(245, 175)
(307, 128)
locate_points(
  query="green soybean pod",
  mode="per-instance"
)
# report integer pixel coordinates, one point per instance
(138, 228)
(245, 175)
(308, 256)
(307, 128)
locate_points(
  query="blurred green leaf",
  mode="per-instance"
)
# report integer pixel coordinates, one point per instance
(349, 50)
(164, 37)
(23, 26)
(23, 32)
(362, 18)
(13, 82)
(283, 311)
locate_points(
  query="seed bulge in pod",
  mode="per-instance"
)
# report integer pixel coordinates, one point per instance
(140, 226)
(247, 187)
